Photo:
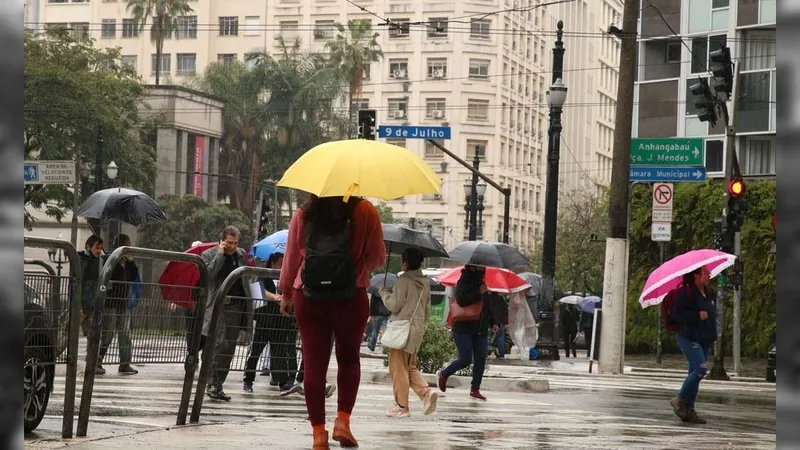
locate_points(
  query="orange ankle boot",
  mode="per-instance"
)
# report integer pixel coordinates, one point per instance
(342, 433)
(321, 440)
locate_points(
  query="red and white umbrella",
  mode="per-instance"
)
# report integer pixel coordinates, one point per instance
(499, 280)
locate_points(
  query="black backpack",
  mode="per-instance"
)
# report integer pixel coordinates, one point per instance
(329, 272)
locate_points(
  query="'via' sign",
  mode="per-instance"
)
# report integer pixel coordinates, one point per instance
(661, 231)
(684, 152)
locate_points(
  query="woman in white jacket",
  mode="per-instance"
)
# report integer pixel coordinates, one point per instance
(410, 300)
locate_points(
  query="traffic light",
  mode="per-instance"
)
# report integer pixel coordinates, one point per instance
(722, 69)
(367, 125)
(263, 219)
(736, 204)
(718, 230)
(704, 101)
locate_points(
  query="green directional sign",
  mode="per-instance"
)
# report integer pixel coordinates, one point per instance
(683, 152)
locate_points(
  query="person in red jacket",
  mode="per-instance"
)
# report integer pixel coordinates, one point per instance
(332, 246)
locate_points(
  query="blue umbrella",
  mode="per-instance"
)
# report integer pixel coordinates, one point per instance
(589, 304)
(274, 243)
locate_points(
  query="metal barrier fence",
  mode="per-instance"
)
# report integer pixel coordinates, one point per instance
(51, 325)
(155, 336)
(219, 313)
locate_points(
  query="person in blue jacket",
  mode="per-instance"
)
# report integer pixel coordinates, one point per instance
(695, 313)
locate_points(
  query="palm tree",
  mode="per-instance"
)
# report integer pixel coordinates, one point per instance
(353, 48)
(163, 13)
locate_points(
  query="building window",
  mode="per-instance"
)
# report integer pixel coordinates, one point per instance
(80, 29)
(714, 155)
(324, 30)
(398, 69)
(187, 64)
(701, 47)
(366, 71)
(672, 52)
(477, 109)
(108, 29)
(251, 25)
(437, 229)
(165, 64)
(757, 97)
(186, 27)
(226, 59)
(480, 29)
(229, 26)
(435, 108)
(474, 145)
(130, 61)
(760, 157)
(437, 68)
(432, 151)
(288, 31)
(437, 27)
(399, 29)
(130, 29)
(478, 68)
(398, 109)
(397, 142)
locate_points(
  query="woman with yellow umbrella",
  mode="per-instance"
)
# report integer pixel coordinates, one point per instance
(334, 241)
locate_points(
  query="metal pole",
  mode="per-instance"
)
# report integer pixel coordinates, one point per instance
(257, 215)
(76, 202)
(473, 198)
(737, 312)
(659, 348)
(506, 213)
(275, 206)
(547, 347)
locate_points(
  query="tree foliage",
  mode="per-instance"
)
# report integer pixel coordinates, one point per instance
(76, 95)
(386, 212)
(190, 219)
(163, 14)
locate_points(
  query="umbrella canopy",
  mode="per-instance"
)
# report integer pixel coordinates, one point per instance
(274, 243)
(535, 280)
(363, 168)
(572, 299)
(399, 238)
(669, 275)
(490, 254)
(496, 279)
(589, 304)
(126, 205)
(378, 280)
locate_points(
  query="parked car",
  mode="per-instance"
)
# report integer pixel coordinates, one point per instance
(40, 357)
(772, 364)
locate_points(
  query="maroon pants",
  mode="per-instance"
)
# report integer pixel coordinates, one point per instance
(320, 321)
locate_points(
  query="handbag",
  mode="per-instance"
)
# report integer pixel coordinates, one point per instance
(398, 331)
(466, 313)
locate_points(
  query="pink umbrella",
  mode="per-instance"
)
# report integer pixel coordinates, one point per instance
(669, 275)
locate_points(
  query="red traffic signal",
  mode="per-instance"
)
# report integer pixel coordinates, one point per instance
(736, 187)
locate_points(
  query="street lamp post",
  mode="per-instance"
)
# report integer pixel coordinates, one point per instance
(547, 345)
(57, 257)
(83, 173)
(481, 191)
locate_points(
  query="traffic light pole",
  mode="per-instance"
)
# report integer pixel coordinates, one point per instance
(257, 216)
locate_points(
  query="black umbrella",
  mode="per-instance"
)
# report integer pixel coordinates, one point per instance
(126, 205)
(399, 238)
(490, 254)
(375, 283)
(535, 280)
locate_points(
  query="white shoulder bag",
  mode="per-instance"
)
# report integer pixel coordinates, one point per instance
(397, 331)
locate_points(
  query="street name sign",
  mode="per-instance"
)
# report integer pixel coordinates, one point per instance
(49, 172)
(663, 194)
(413, 132)
(661, 231)
(667, 174)
(681, 152)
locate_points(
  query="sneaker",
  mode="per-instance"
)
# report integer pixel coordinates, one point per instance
(247, 386)
(442, 382)
(329, 390)
(398, 412)
(371, 348)
(476, 394)
(692, 417)
(217, 393)
(126, 369)
(100, 370)
(290, 388)
(429, 402)
(679, 408)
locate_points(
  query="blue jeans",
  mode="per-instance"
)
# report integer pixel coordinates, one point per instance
(378, 324)
(469, 346)
(501, 341)
(696, 355)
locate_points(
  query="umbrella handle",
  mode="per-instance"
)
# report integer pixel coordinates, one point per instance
(386, 272)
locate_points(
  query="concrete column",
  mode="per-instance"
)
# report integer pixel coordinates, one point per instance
(166, 158)
(181, 166)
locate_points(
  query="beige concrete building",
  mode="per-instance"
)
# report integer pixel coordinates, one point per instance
(481, 67)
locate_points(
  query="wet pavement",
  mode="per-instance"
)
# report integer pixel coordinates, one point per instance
(578, 412)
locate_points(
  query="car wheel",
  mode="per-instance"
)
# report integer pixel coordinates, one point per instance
(37, 387)
(772, 375)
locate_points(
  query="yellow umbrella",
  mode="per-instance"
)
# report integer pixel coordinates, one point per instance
(362, 168)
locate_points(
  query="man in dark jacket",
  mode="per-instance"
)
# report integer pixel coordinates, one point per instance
(380, 315)
(91, 258)
(500, 305)
(237, 311)
(569, 328)
(695, 313)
